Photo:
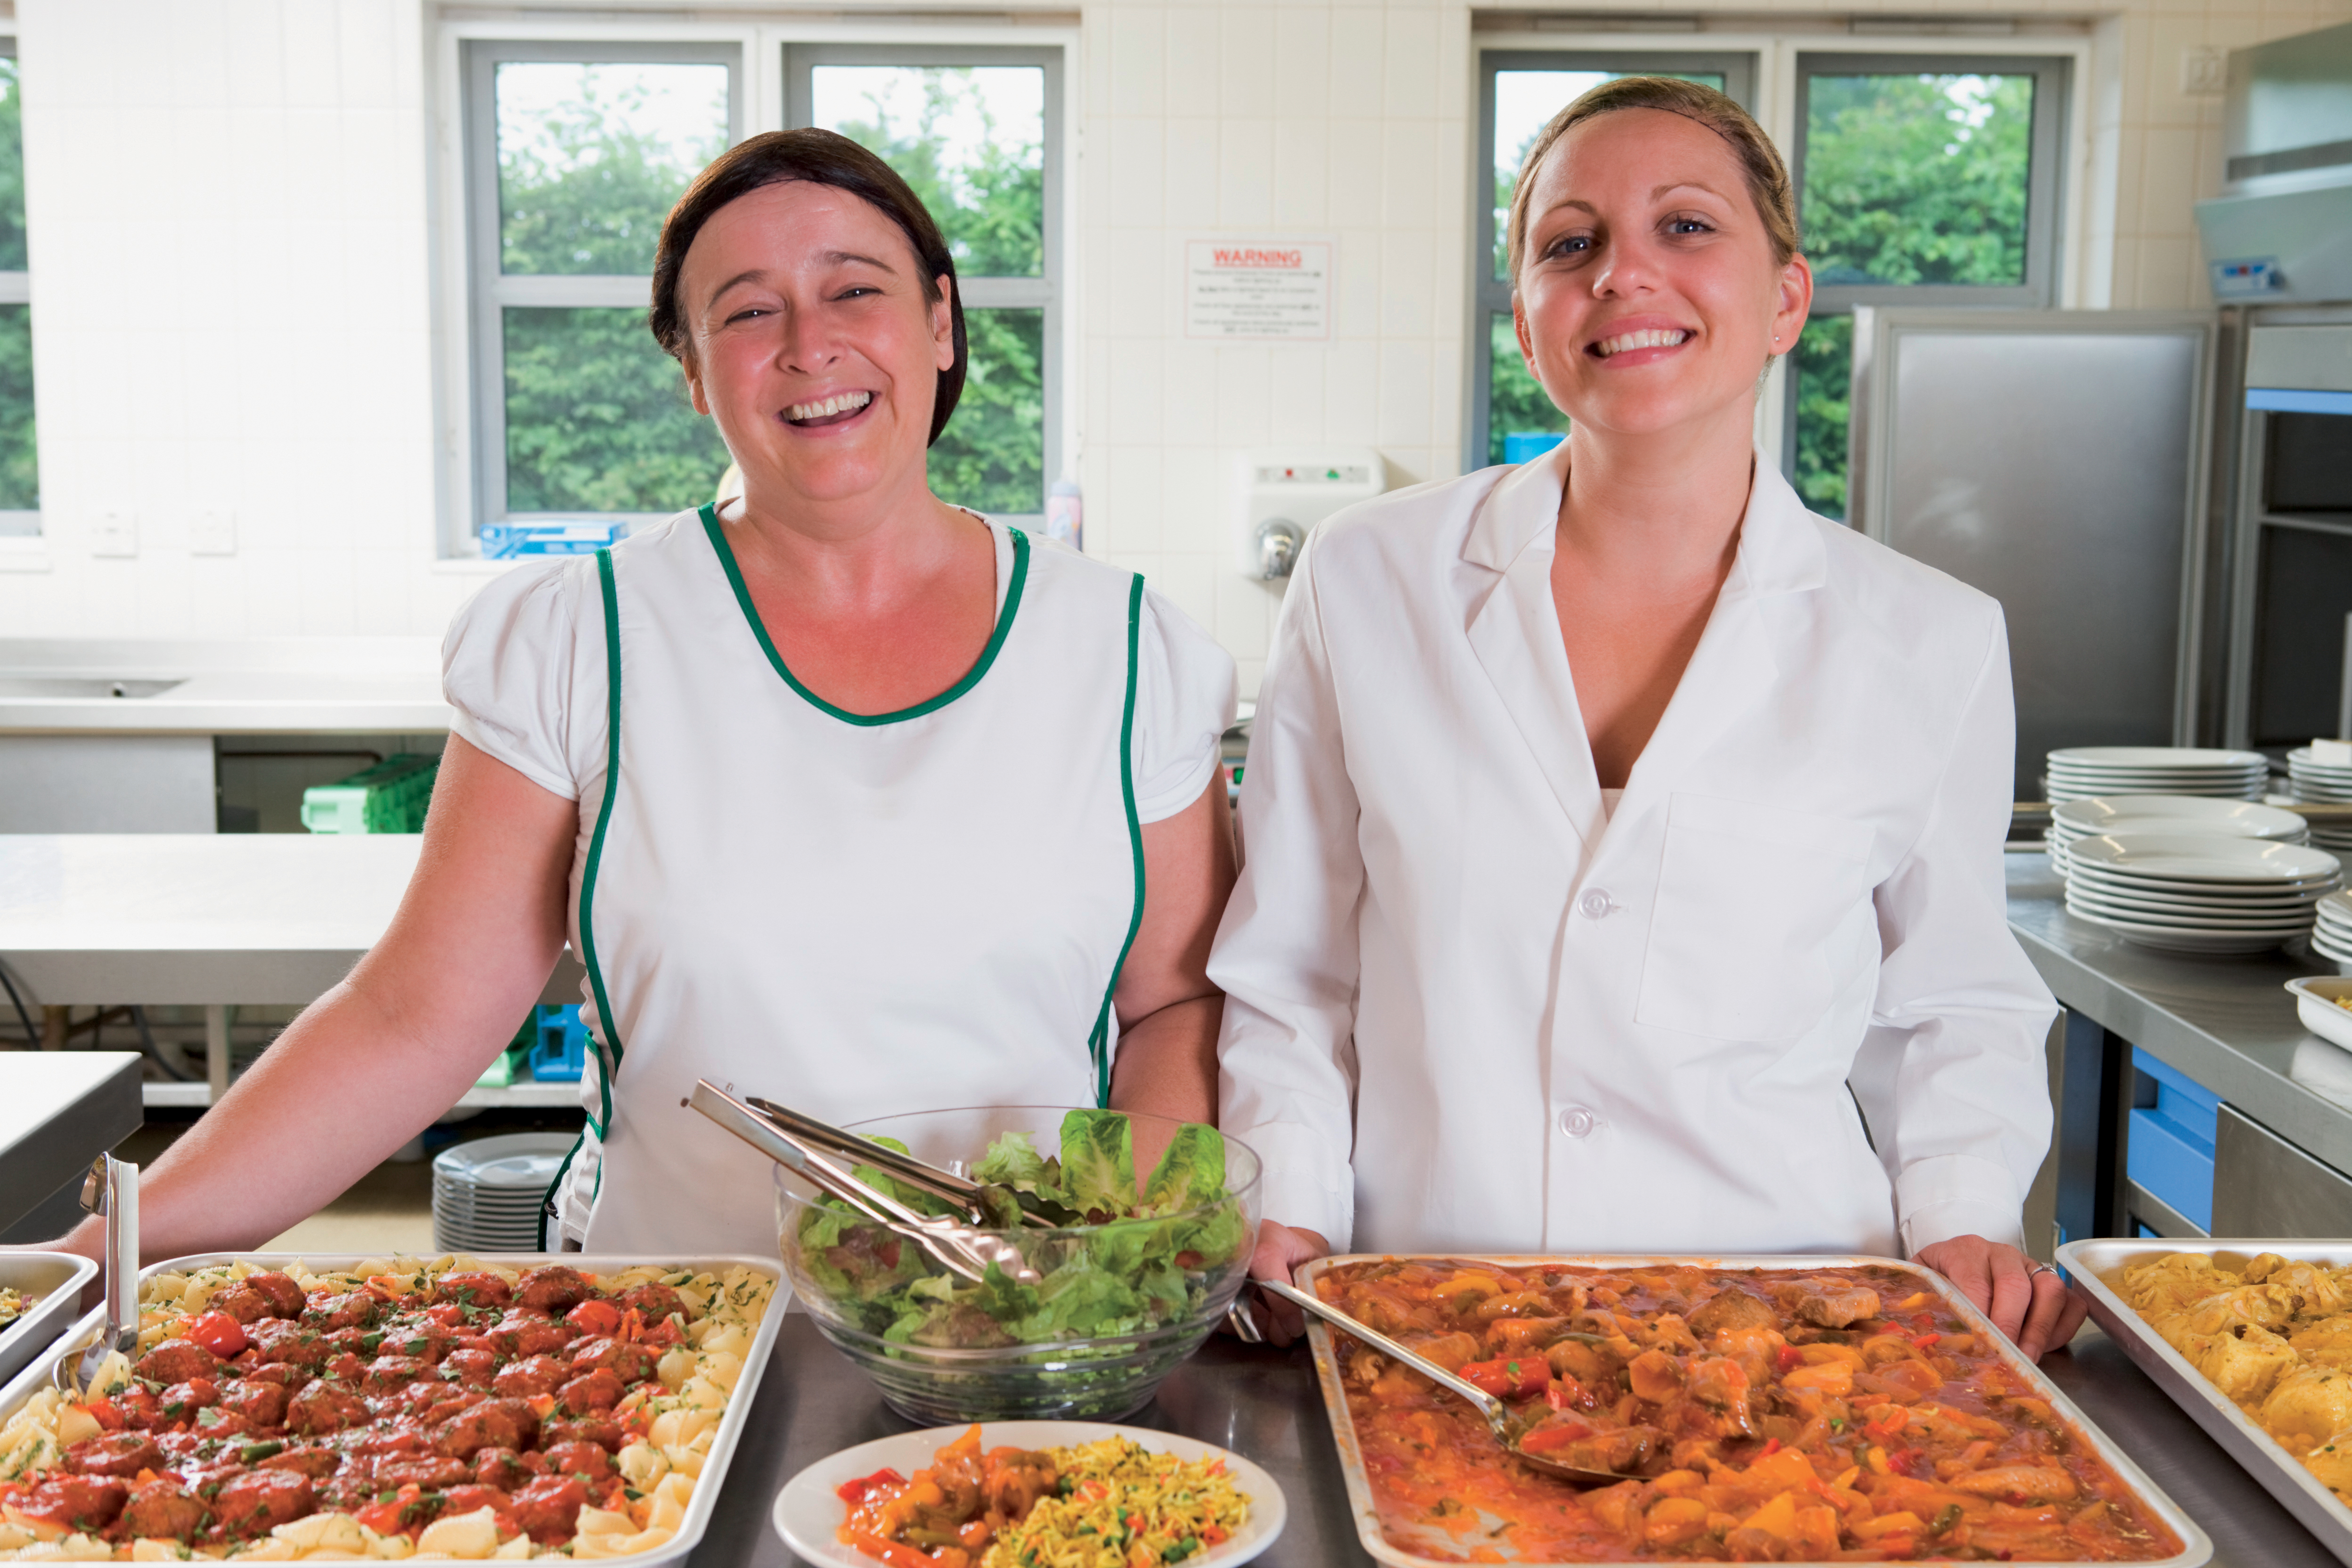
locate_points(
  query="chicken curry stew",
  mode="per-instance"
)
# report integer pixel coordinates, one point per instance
(1841, 1414)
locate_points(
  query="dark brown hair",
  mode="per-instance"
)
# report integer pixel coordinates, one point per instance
(1768, 177)
(821, 158)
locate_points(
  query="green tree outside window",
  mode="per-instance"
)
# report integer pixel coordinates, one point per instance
(20, 470)
(1909, 179)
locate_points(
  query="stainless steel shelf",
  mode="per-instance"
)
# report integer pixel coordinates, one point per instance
(536, 1096)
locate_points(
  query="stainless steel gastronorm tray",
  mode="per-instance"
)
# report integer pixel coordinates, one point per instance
(2195, 1548)
(56, 1278)
(2278, 1471)
(731, 1425)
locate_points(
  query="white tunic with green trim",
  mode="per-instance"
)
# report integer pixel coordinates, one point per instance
(855, 915)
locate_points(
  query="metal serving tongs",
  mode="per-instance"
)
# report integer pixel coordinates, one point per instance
(945, 1186)
(111, 1189)
(1506, 1427)
(961, 1249)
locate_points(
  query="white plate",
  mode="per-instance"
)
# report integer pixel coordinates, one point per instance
(2204, 858)
(2177, 814)
(2300, 894)
(2315, 1004)
(2179, 920)
(2155, 757)
(807, 1514)
(2120, 890)
(517, 1163)
(2168, 941)
(2159, 925)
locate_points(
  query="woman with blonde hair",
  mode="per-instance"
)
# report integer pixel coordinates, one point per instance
(1625, 842)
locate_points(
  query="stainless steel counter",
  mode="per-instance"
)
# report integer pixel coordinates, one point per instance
(58, 1111)
(1262, 1404)
(2225, 1021)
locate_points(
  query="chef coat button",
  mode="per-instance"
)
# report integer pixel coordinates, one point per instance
(1594, 903)
(1577, 1122)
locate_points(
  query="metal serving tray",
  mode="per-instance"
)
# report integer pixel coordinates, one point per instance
(731, 1425)
(56, 1278)
(2195, 1548)
(2280, 1474)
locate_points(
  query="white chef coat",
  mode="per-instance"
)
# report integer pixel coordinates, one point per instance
(857, 915)
(1466, 1008)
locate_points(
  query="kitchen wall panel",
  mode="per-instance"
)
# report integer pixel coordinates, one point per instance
(230, 205)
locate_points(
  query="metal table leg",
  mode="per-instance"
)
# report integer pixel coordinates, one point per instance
(217, 1049)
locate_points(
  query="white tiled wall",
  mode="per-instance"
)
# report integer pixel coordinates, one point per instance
(229, 211)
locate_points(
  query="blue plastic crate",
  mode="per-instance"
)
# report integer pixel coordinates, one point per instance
(1527, 446)
(2171, 1148)
(506, 540)
(560, 1053)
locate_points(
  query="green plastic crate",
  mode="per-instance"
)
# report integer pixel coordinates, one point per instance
(390, 797)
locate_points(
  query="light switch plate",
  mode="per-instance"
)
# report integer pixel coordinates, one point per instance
(2204, 72)
(114, 533)
(213, 533)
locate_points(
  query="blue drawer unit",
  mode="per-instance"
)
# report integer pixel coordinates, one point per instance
(2171, 1149)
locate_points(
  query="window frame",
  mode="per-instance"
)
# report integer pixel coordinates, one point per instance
(2049, 141)
(1044, 292)
(21, 524)
(2045, 181)
(1741, 69)
(491, 291)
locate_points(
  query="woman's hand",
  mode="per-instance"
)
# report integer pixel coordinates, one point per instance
(1280, 1249)
(2025, 1299)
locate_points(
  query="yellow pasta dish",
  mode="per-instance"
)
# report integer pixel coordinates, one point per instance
(2275, 1336)
(15, 1304)
(456, 1408)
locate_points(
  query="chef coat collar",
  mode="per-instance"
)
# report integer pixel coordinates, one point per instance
(1515, 634)
(1781, 550)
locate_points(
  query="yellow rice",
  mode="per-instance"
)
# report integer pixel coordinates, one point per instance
(1128, 1508)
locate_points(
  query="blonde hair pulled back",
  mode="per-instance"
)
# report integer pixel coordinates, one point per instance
(1759, 161)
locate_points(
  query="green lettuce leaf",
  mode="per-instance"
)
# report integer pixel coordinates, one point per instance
(1012, 1161)
(1098, 1161)
(1191, 1173)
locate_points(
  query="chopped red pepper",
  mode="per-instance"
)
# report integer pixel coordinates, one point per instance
(1789, 1359)
(217, 1332)
(595, 1316)
(1509, 1377)
(853, 1492)
(1553, 1435)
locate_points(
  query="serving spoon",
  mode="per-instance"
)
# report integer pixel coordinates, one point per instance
(111, 1189)
(1506, 1426)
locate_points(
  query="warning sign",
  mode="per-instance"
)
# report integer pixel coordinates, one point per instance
(1264, 289)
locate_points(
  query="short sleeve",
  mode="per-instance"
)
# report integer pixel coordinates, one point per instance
(1184, 705)
(517, 669)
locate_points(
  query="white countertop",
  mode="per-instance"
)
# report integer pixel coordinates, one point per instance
(247, 685)
(187, 919)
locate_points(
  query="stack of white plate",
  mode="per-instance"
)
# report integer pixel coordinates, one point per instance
(2079, 772)
(2191, 892)
(2323, 784)
(2331, 934)
(486, 1194)
(2102, 815)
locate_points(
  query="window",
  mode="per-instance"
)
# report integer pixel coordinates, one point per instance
(1511, 418)
(20, 472)
(574, 155)
(977, 133)
(1921, 180)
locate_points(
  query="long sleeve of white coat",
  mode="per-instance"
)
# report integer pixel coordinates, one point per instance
(1287, 953)
(1952, 1075)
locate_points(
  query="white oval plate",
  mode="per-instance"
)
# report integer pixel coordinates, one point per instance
(2306, 894)
(2157, 757)
(807, 1514)
(2179, 813)
(2120, 889)
(2168, 941)
(2204, 858)
(2314, 999)
(2185, 920)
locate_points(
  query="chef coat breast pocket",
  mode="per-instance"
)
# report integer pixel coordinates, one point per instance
(1750, 901)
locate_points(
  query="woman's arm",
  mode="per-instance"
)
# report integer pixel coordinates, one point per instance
(377, 1058)
(1953, 1073)
(1167, 1010)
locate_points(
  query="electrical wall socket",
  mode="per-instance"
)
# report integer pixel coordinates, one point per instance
(114, 533)
(213, 533)
(2204, 72)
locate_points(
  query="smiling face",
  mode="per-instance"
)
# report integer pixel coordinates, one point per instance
(812, 344)
(1649, 298)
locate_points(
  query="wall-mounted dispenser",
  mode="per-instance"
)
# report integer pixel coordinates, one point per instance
(1284, 491)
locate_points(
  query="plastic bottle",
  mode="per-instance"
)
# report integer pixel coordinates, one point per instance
(1065, 516)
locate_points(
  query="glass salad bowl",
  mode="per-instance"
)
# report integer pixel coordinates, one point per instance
(1152, 1222)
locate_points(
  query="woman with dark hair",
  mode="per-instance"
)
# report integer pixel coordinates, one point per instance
(1620, 835)
(844, 794)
